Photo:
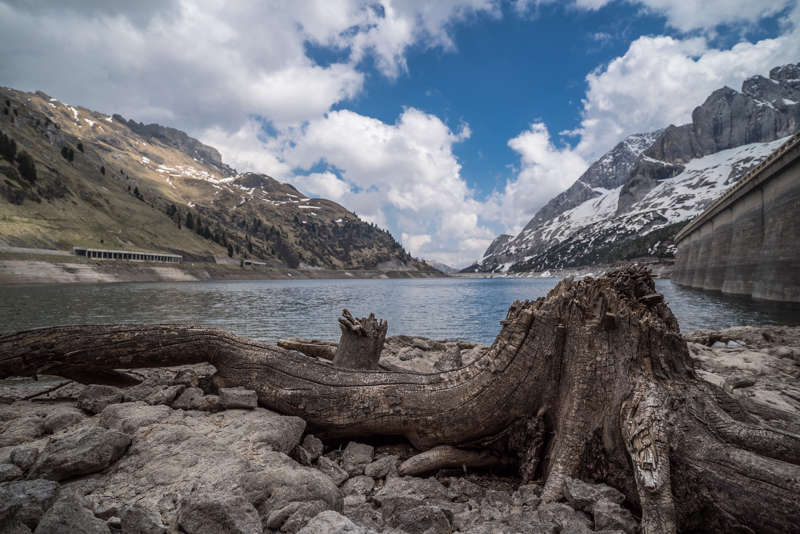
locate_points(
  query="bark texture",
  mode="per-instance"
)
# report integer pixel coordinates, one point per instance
(600, 363)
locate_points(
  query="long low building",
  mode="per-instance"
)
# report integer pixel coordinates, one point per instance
(101, 254)
(748, 241)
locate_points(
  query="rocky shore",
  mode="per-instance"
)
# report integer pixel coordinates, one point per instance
(174, 454)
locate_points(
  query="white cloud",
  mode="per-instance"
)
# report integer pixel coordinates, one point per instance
(545, 171)
(660, 80)
(402, 176)
(201, 64)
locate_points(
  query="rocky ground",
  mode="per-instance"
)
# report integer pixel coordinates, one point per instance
(175, 455)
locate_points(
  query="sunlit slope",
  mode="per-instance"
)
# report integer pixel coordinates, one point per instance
(103, 182)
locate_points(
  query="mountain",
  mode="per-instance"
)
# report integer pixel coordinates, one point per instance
(632, 201)
(106, 182)
(441, 267)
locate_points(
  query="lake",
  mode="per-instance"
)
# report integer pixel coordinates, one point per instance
(267, 310)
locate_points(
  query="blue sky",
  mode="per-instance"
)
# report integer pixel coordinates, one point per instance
(447, 123)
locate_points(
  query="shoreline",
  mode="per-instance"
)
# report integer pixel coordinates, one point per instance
(21, 269)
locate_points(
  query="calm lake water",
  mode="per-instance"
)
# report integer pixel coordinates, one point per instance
(463, 308)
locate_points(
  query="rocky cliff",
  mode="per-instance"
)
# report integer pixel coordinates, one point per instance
(634, 199)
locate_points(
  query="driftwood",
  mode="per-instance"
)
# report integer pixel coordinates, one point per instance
(600, 362)
(361, 343)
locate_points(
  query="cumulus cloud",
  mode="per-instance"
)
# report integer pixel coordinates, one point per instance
(200, 64)
(660, 80)
(402, 175)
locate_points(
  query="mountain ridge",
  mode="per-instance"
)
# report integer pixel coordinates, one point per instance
(561, 233)
(106, 182)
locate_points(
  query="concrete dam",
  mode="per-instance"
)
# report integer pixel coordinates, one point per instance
(748, 241)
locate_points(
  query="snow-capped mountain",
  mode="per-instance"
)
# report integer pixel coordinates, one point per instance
(635, 198)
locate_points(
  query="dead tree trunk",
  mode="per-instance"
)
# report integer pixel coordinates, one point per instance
(600, 361)
(361, 343)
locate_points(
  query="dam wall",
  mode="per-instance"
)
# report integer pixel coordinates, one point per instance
(748, 241)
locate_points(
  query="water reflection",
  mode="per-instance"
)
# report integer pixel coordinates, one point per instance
(270, 309)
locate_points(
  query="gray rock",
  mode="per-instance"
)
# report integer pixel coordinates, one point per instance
(95, 398)
(356, 457)
(9, 472)
(360, 485)
(364, 515)
(14, 527)
(582, 496)
(128, 417)
(190, 399)
(218, 513)
(187, 378)
(574, 526)
(401, 494)
(62, 419)
(26, 501)
(500, 500)
(301, 516)
(24, 457)
(21, 430)
(313, 445)
(451, 360)
(466, 490)
(140, 392)
(332, 469)
(611, 516)
(81, 453)
(560, 514)
(382, 467)
(330, 522)
(422, 519)
(308, 452)
(67, 516)
(107, 510)
(164, 395)
(231, 398)
(137, 520)
(295, 496)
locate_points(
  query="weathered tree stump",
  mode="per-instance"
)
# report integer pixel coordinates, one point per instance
(600, 361)
(362, 342)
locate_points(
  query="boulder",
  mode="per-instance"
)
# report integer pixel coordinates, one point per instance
(140, 392)
(356, 457)
(80, 453)
(402, 494)
(360, 485)
(308, 451)
(137, 520)
(582, 496)
(465, 490)
(22, 429)
(382, 467)
(191, 399)
(187, 378)
(95, 398)
(561, 514)
(218, 513)
(231, 398)
(422, 519)
(63, 419)
(330, 522)
(26, 501)
(332, 469)
(9, 472)
(611, 516)
(128, 417)
(164, 395)
(24, 457)
(67, 516)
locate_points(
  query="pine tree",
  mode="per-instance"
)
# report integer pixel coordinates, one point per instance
(80, 147)
(102, 170)
(189, 221)
(8, 147)
(230, 250)
(27, 167)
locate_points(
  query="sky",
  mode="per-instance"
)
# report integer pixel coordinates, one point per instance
(446, 123)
